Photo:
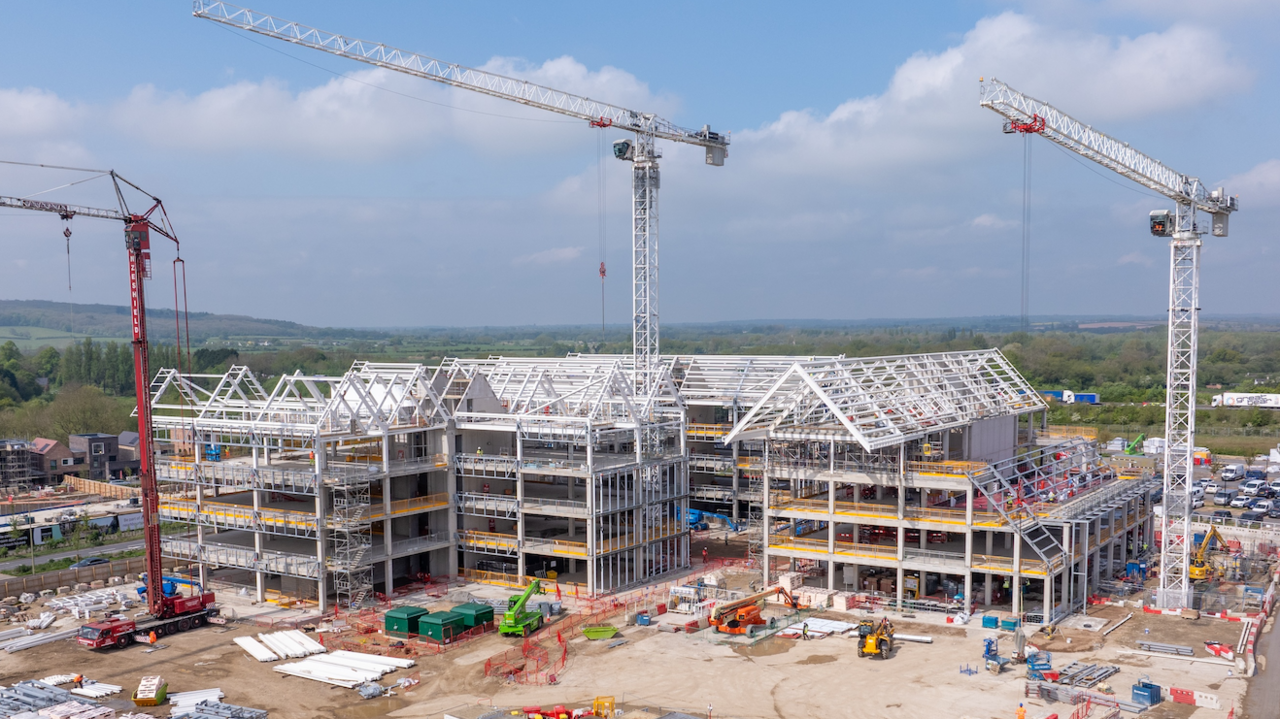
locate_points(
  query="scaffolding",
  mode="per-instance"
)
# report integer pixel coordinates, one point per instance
(16, 468)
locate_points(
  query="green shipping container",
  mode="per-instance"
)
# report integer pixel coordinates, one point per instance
(474, 614)
(403, 621)
(441, 626)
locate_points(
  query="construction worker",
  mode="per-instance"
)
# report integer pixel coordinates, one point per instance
(1022, 712)
(479, 452)
(151, 638)
(704, 555)
(804, 631)
(78, 681)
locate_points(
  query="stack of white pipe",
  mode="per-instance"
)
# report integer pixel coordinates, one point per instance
(57, 679)
(98, 596)
(256, 650)
(344, 669)
(36, 640)
(14, 633)
(97, 690)
(292, 643)
(41, 622)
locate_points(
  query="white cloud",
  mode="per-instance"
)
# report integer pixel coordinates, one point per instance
(1135, 258)
(1259, 187)
(371, 114)
(554, 256)
(990, 221)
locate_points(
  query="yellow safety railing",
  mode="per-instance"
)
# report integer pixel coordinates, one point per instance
(488, 539)
(414, 504)
(707, 430)
(946, 469)
(235, 515)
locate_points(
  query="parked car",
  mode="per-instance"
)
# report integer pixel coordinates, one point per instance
(1223, 513)
(1223, 497)
(1240, 501)
(1256, 472)
(1213, 488)
(1251, 516)
(1274, 486)
(1274, 512)
(1232, 473)
(1253, 486)
(90, 562)
(1261, 505)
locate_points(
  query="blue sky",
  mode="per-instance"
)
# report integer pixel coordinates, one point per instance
(863, 179)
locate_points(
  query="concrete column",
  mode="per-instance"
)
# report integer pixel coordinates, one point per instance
(1048, 596)
(986, 589)
(831, 573)
(768, 520)
(450, 432)
(1015, 582)
(901, 579)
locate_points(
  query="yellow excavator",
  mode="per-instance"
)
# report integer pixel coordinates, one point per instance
(1199, 570)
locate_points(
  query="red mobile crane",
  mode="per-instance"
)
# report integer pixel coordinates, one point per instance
(170, 611)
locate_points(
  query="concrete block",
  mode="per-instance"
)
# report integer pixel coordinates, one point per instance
(115, 581)
(97, 584)
(11, 600)
(82, 587)
(130, 578)
(46, 593)
(64, 590)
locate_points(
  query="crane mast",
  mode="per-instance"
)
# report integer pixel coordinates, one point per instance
(642, 152)
(1190, 196)
(137, 240)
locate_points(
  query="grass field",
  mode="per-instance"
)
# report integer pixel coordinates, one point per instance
(30, 338)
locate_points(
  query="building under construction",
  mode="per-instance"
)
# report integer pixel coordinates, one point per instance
(919, 474)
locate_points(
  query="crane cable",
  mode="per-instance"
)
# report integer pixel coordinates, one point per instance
(71, 305)
(1026, 232)
(600, 207)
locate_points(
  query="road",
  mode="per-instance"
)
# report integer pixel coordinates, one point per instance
(1263, 697)
(83, 553)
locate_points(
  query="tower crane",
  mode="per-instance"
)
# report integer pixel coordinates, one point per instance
(641, 151)
(169, 611)
(1190, 197)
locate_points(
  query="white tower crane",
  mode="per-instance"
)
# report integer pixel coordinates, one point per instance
(642, 152)
(1026, 114)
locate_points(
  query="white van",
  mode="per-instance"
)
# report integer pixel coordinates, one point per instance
(1253, 486)
(1224, 497)
(1232, 472)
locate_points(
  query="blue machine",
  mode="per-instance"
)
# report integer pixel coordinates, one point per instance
(169, 585)
(697, 519)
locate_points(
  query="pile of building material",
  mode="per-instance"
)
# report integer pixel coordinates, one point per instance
(82, 604)
(344, 668)
(218, 710)
(818, 628)
(36, 640)
(58, 679)
(256, 650)
(41, 622)
(97, 690)
(76, 710)
(292, 643)
(31, 696)
(814, 597)
(844, 601)
(10, 634)
(151, 691)
(791, 581)
(185, 702)
(1077, 674)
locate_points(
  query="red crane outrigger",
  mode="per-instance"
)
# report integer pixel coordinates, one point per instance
(174, 612)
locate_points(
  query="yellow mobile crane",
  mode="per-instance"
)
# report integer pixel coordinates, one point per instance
(1199, 570)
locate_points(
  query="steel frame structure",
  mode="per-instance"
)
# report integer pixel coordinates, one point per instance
(372, 402)
(886, 401)
(1190, 196)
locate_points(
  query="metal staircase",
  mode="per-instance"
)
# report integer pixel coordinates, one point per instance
(993, 484)
(350, 539)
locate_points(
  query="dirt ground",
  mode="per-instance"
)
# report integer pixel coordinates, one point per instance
(773, 678)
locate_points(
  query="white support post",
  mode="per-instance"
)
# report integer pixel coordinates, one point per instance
(259, 578)
(321, 497)
(388, 584)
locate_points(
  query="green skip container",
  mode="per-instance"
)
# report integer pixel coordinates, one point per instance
(441, 626)
(474, 614)
(403, 621)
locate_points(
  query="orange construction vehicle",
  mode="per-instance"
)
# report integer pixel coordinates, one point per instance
(742, 616)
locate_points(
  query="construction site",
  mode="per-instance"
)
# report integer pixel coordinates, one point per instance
(648, 535)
